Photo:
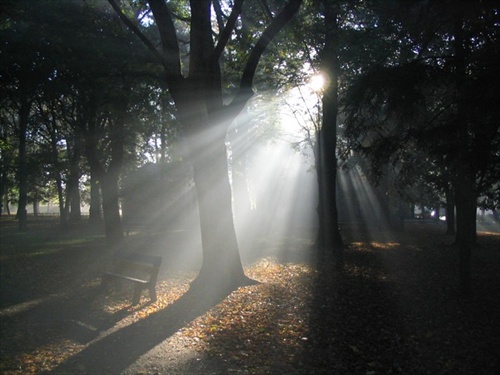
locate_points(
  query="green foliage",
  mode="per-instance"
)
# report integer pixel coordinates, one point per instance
(411, 99)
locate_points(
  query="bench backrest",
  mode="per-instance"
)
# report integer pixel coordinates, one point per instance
(137, 264)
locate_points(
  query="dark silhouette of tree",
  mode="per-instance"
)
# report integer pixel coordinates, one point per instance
(205, 118)
(436, 91)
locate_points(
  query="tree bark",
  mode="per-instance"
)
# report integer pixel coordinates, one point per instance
(450, 213)
(221, 267)
(73, 189)
(330, 66)
(24, 110)
(57, 171)
(111, 208)
(95, 210)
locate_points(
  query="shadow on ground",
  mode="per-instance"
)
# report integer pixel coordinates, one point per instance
(118, 350)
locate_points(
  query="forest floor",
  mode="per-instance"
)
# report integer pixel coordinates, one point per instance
(391, 307)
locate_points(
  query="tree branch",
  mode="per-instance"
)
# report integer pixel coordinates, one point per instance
(226, 33)
(133, 27)
(168, 36)
(278, 23)
(218, 14)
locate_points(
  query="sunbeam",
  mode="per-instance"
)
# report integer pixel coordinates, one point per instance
(282, 196)
(360, 203)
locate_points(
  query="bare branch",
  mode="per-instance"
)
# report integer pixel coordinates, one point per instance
(218, 14)
(132, 26)
(226, 33)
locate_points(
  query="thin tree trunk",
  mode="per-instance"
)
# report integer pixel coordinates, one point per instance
(450, 214)
(57, 172)
(73, 189)
(108, 179)
(36, 204)
(24, 111)
(95, 210)
(111, 208)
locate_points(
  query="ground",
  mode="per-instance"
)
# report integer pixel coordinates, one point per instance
(391, 307)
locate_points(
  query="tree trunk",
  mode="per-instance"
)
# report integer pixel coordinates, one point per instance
(57, 173)
(450, 214)
(111, 208)
(2, 199)
(108, 179)
(24, 111)
(73, 190)
(221, 267)
(60, 196)
(95, 210)
(36, 204)
(331, 68)
(318, 156)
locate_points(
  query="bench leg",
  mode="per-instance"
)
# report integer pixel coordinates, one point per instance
(137, 295)
(152, 293)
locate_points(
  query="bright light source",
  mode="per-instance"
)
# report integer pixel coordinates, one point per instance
(317, 82)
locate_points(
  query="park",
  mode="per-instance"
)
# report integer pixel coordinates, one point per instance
(249, 187)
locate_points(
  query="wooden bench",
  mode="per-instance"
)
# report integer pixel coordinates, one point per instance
(140, 269)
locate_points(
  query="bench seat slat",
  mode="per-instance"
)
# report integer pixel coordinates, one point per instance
(127, 278)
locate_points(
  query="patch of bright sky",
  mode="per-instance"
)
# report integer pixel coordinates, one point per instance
(300, 112)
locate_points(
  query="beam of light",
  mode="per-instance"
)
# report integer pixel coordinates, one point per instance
(283, 202)
(279, 186)
(360, 203)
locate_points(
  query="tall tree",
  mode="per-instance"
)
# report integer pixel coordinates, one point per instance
(330, 66)
(205, 117)
(436, 90)
(23, 68)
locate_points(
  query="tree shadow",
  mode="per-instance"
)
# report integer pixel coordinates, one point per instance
(120, 349)
(75, 316)
(355, 326)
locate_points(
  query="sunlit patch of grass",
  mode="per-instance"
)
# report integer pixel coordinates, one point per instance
(361, 247)
(358, 244)
(485, 233)
(385, 245)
